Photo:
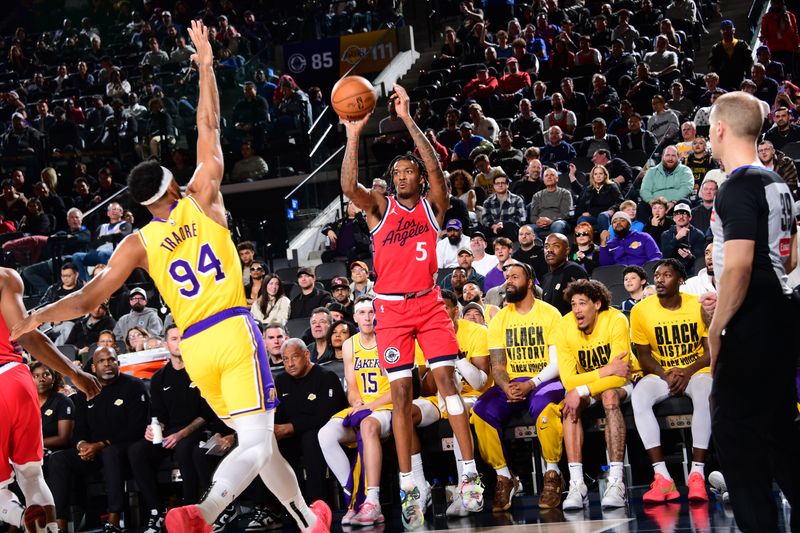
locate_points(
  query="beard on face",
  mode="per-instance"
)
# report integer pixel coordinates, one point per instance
(516, 296)
(622, 231)
(454, 240)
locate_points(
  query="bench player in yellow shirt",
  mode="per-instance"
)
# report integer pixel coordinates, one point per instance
(593, 342)
(525, 372)
(188, 252)
(672, 347)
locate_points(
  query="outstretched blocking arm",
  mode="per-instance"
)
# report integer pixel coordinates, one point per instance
(129, 255)
(35, 342)
(437, 195)
(369, 201)
(207, 178)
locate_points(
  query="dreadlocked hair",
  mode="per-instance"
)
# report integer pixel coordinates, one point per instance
(408, 156)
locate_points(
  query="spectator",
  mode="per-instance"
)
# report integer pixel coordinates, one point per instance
(628, 207)
(530, 251)
(361, 284)
(502, 251)
(688, 133)
(182, 52)
(526, 124)
(618, 170)
(20, 140)
(251, 166)
(447, 249)
(52, 204)
(349, 236)
(703, 283)
(250, 115)
(560, 117)
(585, 253)
(293, 109)
(13, 203)
(774, 69)
(120, 130)
(182, 413)
(701, 214)
(159, 132)
(604, 100)
(699, 161)
(310, 298)
(780, 164)
(442, 153)
(481, 261)
(135, 339)
(624, 31)
(87, 331)
(750, 87)
(679, 103)
(105, 427)
(664, 123)
(275, 335)
(701, 116)
(484, 127)
(541, 104)
(683, 241)
(599, 200)
(470, 275)
(107, 237)
(730, 58)
(562, 272)
(659, 221)
(310, 395)
(557, 152)
(140, 315)
(450, 134)
(457, 209)
(462, 185)
(587, 56)
(551, 206)
(634, 279)
(670, 178)
(779, 33)
(247, 254)
(452, 47)
(637, 138)
(663, 63)
(600, 140)
(252, 288)
(531, 183)
(342, 300)
(513, 84)
(320, 348)
(272, 306)
(628, 247)
(58, 411)
(107, 187)
(766, 87)
(782, 132)
(469, 142)
(503, 211)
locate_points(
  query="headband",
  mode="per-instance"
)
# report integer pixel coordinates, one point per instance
(166, 179)
(362, 304)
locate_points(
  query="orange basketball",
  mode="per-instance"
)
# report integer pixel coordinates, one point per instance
(353, 98)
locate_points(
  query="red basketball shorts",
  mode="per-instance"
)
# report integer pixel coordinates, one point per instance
(398, 323)
(20, 422)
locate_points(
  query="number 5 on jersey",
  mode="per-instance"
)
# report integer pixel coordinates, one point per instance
(207, 264)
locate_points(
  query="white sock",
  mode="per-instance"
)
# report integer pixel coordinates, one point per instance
(552, 467)
(374, 495)
(407, 481)
(10, 508)
(576, 473)
(468, 467)
(615, 471)
(505, 472)
(418, 470)
(218, 496)
(661, 468)
(700, 468)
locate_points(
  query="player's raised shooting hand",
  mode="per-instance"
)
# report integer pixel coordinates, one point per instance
(402, 103)
(355, 127)
(199, 34)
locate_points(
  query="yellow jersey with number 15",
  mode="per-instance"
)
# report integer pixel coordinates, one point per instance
(372, 383)
(193, 263)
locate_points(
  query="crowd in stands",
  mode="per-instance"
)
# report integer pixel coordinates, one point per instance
(574, 137)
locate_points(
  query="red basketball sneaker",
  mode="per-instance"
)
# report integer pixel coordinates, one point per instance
(186, 519)
(323, 514)
(34, 519)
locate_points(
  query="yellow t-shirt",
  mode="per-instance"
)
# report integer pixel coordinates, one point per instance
(525, 338)
(675, 337)
(580, 356)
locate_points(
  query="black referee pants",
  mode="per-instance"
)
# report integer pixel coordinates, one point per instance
(754, 406)
(65, 466)
(195, 467)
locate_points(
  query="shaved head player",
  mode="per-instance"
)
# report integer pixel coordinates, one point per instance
(753, 335)
(188, 252)
(408, 305)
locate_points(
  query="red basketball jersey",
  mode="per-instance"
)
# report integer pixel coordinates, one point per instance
(7, 352)
(405, 248)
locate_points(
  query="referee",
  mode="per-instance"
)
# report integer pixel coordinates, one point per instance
(752, 336)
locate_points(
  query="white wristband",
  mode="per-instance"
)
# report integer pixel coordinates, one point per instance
(536, 381)
(583, 390)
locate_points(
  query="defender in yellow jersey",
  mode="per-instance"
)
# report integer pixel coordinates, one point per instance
(370, 412)
(593, 344)
(523, 362)
(672, 346)
(188, 252)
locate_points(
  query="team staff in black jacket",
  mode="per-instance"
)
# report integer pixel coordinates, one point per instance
(105, 427)
(182, 412)
(309, 396)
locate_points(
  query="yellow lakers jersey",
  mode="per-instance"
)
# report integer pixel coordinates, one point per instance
(193, 263)
(372, 383)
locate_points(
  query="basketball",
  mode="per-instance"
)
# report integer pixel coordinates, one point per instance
(353, 98)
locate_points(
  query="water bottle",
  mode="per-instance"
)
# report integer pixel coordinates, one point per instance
(602, 479)
(155, 427)
(451, 489)
(439, 501)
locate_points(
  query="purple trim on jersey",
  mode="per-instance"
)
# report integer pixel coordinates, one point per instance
(269, 395)
(171, 208)
(494, 409)
(214, 319)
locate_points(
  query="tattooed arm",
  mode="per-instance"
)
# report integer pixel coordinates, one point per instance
(437, 196)
(371, 202)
